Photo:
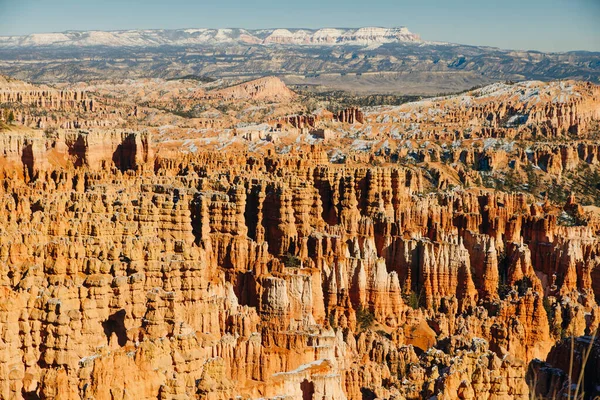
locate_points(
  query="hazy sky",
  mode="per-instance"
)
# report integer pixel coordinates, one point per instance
(548, 25)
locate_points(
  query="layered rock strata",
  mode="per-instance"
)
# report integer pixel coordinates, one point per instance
(219, 275)
(369, 265)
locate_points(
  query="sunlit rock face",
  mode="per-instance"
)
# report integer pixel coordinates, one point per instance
(130, 270)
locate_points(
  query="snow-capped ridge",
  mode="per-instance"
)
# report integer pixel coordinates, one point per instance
(192, 36)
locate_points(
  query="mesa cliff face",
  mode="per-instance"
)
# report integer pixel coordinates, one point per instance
(127, 271)
(29, 153)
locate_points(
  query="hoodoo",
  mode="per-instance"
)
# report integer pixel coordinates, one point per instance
(227, 225)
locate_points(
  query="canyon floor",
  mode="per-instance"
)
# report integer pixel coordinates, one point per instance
(188, 239)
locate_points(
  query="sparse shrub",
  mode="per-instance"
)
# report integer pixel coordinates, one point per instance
(364, 318)
(533, 181)
(551, 314)
(51, 131)
(557, 194)
(523, 285)
(384, 334)
(223, 108)
(291, 261)
(503, 290)
(487, 180)
(413, 299)
(511, 180)
(332, 321)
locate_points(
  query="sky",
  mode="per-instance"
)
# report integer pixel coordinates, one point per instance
(545, 25)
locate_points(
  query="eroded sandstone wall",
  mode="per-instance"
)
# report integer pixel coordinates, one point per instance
(218, 275)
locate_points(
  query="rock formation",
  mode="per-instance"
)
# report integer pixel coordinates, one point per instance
(269, 88)
(131, 269)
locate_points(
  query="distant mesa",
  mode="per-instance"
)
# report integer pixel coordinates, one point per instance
(331, 36)
(191, 37)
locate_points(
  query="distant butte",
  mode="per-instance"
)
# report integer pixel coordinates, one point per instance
(268, 88)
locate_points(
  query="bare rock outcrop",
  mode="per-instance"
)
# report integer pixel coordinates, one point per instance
(268, 88)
